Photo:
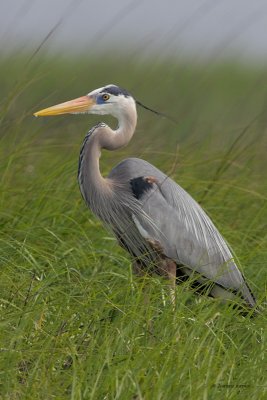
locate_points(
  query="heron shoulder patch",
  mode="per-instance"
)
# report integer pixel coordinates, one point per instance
(141, 185)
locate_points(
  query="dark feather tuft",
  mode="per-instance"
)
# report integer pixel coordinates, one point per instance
(115, 91)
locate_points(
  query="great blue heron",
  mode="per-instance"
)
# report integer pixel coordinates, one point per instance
(153, 218)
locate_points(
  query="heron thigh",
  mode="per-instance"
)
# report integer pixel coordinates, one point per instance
(140, 269)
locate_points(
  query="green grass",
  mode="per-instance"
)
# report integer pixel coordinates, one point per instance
(75, 323)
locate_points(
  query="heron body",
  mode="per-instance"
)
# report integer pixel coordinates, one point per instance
(153, 218)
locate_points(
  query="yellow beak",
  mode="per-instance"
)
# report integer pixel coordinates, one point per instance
(81, 104)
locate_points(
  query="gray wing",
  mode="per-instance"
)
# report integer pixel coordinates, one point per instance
(185, 232)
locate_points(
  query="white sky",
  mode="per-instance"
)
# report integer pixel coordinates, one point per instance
(205, 27)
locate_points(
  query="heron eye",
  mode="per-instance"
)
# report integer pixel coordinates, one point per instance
(105, 97)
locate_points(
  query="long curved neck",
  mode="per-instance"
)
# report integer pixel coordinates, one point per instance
(114, 139)
(90, 179)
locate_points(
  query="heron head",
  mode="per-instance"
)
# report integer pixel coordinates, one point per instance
(110, 99)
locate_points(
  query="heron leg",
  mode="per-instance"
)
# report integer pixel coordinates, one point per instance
(165, 267)
(138, 268)
(168, 269)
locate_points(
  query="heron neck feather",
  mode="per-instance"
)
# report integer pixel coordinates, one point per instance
(91, 181)
(110, 139)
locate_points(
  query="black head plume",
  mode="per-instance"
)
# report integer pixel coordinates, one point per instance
(156, 112)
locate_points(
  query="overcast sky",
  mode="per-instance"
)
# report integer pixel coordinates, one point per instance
(177, 26)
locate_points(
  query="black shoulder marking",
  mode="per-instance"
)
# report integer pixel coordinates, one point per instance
(140, 186)
(115, 90)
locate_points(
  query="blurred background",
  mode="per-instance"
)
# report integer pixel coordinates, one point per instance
(199, 28)
(203, 63)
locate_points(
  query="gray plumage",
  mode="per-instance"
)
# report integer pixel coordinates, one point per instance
(152, 217)
(169, 215)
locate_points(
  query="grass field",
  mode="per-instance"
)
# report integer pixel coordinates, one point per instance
(74, 323)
